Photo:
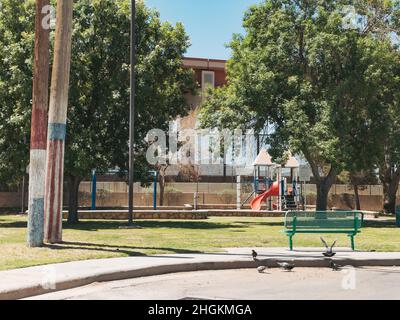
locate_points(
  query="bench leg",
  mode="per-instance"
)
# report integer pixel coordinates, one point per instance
(353, 247)
(291, 242)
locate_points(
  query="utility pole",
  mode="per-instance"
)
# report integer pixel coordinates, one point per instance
(40, 100)
(57, 123)
(132, 109)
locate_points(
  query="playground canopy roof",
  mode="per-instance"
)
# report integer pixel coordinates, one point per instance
(264, 159)
(292, 162)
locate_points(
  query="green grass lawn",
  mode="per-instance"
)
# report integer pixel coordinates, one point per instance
(103, 239)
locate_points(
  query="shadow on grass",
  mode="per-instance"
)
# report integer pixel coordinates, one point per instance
(14, 224)
(366, 224)
(182, 224)
(149, 224)
(264, 224)
(128, 250)
(379, 224)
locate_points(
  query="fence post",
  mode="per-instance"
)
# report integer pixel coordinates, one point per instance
(155, 190)
(195, 202)
(94, 189)
(238, 195)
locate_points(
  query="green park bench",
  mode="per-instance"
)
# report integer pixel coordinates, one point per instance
(323, 222)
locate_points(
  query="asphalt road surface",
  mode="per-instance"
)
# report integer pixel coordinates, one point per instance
(303, 283)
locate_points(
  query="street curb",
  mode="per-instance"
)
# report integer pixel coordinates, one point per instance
(35, 290)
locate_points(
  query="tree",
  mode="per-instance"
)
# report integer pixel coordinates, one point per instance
(380, 147)
(301, 69)
(100, 87)
(97, 124)
(373, 124)
(389, 160)
(381, 18)
(16, 55)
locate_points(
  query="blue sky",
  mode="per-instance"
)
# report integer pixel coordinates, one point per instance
(209, 23)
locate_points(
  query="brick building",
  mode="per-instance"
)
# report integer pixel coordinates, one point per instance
(208, 72)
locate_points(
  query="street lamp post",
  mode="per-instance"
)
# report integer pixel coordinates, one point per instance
(132, 108)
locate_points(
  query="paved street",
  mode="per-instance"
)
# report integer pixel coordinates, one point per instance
(33, 281)
(303, 283)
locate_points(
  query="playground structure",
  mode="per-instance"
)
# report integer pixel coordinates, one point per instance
(270, 185)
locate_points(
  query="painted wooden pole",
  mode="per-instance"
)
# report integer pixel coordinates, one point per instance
(40, 100)
(57, 123)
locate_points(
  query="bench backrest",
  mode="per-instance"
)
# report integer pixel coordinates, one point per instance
(327, 220)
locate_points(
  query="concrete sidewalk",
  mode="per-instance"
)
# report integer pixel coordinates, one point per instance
(27, 282)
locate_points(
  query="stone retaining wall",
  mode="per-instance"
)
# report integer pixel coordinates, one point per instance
(110, 215)
(171, 215)
(245, 213)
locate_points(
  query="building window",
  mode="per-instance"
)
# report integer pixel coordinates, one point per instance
(208, 80)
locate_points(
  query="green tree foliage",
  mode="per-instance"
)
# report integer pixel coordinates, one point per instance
(98, 111)
(380, 19)
(16, 47)
(319, 82)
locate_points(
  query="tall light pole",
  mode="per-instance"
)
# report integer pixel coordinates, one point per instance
(132, 109)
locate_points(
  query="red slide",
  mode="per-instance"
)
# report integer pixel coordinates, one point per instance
(272, 192)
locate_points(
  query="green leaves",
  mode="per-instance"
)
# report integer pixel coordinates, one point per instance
(98, 110)
(326, 88)
(100, 82)
(16, 47)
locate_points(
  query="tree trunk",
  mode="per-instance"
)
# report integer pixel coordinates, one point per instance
(73, 201)
(389, 196)
(324, 184)
(323, 189)
(357, 197)
(390, 180)
(162, 189)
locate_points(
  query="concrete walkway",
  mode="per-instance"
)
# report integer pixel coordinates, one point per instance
(27, 282)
